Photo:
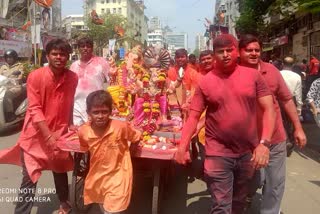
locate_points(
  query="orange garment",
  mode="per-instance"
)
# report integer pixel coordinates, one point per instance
(195, 66)
(188, 81)
(109, 180)
(202, 132)
(49, 100)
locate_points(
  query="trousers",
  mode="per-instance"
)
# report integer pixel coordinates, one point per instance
(25, 206)
(228, 182)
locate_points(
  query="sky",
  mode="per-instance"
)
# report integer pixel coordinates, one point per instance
(180, 15)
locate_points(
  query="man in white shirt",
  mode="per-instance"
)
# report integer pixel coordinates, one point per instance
(294, 84)
(293, 81)
(92, 72)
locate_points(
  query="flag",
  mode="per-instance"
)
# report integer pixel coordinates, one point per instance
(119, 30)
(26, 25)
(44, 3)
(95, 18)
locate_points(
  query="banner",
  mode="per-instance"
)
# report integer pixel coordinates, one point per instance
(46, 14)
(4, 8)
(35, 34)
(112, 43)
(16, 35)
(45, 39)
(23, 48)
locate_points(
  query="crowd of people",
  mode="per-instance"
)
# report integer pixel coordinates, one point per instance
(235, 106)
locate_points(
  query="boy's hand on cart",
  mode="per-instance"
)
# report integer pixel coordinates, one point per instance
(182, 156)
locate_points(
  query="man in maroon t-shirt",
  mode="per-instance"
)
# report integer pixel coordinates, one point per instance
(230, 94)
(250, 51)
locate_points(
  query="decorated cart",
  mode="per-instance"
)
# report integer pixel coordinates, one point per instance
(138, 88)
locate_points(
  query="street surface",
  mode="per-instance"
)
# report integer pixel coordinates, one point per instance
(301, 195)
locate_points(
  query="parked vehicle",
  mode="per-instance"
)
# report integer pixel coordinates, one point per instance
(20, 103)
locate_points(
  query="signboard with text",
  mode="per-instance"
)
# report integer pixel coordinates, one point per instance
(23, 48)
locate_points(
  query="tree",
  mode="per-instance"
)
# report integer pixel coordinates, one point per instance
(312, 6)
(102, 33)
(196, 52)
(252, 14)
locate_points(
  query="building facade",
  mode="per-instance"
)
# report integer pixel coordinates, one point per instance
(200, 42)
(298, 37)
(73, 23)
(176, 41)
(156, 38)
(154, 24)
(227, 12)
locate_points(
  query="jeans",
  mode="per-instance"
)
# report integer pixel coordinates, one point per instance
(25, 206)
(275, 176)
(228, 182)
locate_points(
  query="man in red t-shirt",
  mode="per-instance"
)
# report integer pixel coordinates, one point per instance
(250, 51)
(230, 94)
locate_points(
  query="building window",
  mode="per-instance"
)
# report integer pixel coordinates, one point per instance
(102, 1)
(108, 10)
(119, 10)
(107, 1)
(102, 11)
(114, 10)
(119, 1)
(114, 1)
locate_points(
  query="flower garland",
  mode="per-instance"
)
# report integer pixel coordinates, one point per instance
(151, 105)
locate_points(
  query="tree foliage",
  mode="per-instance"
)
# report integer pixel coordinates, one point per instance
(101, 34)
(253, 12)
(312, 6)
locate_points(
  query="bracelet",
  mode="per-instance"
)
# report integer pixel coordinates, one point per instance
(47, 138)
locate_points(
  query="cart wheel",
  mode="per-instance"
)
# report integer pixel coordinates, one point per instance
(156, 192)
(81, 167)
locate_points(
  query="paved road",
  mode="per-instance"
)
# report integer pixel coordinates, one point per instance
(301, 195)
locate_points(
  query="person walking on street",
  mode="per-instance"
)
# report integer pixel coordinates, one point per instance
(50, 93)
(294, 84)
(233, 151)
(92, 72)
(274, 181)
(313, 97)
(313, 73)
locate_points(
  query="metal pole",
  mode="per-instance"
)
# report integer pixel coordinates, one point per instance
(35, 34)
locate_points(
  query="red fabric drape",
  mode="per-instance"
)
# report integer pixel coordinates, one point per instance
(44, 3)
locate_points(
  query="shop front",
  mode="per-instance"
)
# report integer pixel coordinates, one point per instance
(315, 44)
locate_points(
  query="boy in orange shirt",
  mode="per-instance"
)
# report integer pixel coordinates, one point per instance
(109, 180)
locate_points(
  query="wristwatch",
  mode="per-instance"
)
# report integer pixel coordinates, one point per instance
(265, 143)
